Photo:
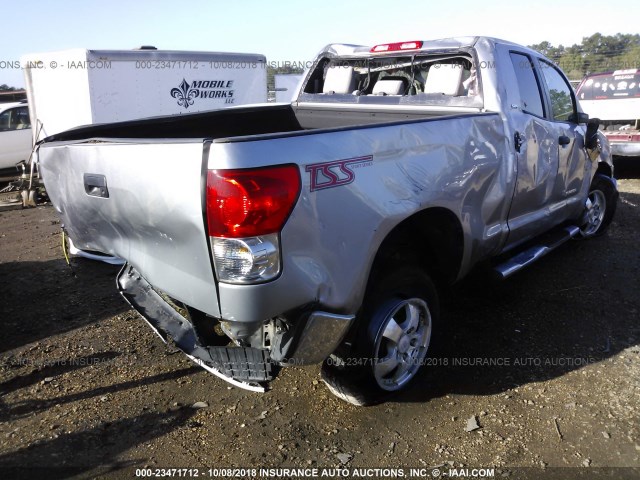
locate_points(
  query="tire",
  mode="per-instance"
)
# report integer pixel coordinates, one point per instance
(600, 207)
(395, 329)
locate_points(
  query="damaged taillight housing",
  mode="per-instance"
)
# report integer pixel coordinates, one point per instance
(246, 210)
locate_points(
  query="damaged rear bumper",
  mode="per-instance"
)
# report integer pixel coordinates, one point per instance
(245, 367)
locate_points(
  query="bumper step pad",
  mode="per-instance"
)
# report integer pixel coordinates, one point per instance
(249, 364)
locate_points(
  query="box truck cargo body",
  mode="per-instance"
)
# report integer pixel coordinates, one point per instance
(287, 86)
(77, 87)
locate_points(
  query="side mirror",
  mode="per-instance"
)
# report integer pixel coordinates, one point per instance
(591, 137)
(579, 117)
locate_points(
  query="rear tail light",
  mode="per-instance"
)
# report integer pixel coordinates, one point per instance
(247, 203)
(246, 209)
(246, 260)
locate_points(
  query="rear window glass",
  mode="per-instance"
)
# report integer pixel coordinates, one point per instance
(608, 86)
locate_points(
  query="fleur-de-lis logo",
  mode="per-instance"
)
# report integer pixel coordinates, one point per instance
(184, 93)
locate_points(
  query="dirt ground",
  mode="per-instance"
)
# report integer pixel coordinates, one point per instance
(548, 364)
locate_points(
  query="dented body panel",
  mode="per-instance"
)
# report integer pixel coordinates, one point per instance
(456, 163)
(142, 220)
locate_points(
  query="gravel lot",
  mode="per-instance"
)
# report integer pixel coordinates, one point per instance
(547, 363)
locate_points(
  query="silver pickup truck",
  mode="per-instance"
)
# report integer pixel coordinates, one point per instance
(320, 232)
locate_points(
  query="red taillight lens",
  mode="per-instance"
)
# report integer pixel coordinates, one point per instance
(394, 47)
(248, 203)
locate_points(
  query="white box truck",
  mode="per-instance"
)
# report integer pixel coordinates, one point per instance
(287, 86)
(77, 87)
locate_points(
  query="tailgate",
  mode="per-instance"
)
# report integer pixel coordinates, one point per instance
(139, 201)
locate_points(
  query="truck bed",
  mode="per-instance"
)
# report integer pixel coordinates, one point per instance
(152, 210)
(255, 120)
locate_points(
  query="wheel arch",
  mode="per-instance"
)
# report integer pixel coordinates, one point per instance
(432, 238)
(605, 169)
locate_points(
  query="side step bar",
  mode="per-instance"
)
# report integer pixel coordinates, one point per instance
(522, 259)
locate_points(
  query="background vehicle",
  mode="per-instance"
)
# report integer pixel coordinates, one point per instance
(15, 135)
(287, 86)
(321, 231)
(614, 98)
(115, 85)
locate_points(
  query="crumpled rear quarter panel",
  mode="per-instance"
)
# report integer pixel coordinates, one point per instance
(333, 234)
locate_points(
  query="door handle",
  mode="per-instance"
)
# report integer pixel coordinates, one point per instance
(96, 185)
(564, 140)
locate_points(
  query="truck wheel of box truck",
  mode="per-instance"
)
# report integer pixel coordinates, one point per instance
(394, 331)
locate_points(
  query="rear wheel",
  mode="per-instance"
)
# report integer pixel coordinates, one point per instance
(394, 333)
(599, 208)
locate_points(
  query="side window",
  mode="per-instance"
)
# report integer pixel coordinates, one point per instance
(530, 96)
(22, 118)
(5, 120)
(562, 104)
(15, 119)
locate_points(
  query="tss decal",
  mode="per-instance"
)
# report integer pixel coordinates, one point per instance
(336, 173)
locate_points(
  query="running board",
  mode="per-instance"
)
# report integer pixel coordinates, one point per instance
(522, 259)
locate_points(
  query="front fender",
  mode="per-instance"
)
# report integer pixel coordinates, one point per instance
(602, 154)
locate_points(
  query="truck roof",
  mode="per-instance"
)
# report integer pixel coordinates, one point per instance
(80, 54)
(7, 106)
(452, 43)
(627, 71)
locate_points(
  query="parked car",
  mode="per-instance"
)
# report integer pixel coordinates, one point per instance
(15, 134)
(321, 231)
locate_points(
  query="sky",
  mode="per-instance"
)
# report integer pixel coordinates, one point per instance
(287, 30)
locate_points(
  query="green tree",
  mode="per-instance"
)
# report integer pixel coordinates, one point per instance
(596, 53)
(549, 50)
